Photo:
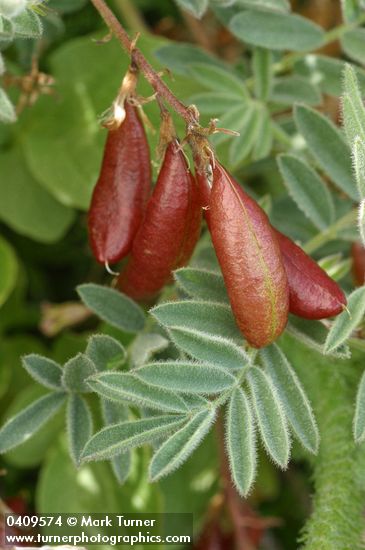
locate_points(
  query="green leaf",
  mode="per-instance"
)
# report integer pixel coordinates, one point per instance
(43, 370)
(313, 334)
(112, 306)
(7, 110)
(196, 7)
(215, 103)
(359, 418)
(212, 349)
(186, 377)
(25, 206)
(347, 321)
(270, 416)
(218, 79)
(308, 190)
(75, 373)
(27, 25)
(115, 413)
(241, 442)
(177, 449)
(352, 107)
(276, 31)
(120, 438)
(291, 89)
(145, 345)
(238, 119)
(128, 388)
(350, 10)
(178, 57)
(353, 44)
(213, 318)
(79, 426)
(9, 270)
(361, 221)
(269, 5)
(249, 127)
(328, 147)
(121, 466)
(263, 135)
(105, 352)
(292, 396)
(326, 72)
(358, 159)
(22, 426)
(202, 284)
(6, 30)
(261, 67)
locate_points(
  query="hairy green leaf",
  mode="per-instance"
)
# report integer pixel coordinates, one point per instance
(249, 128)
(9, 270)
(27, 25)
(7, 110)
(270, 416)
(347, 321)
(126, 387)
(79, 426)
(291, 89)
(120, 438)
(313, 334)
(202, 284)
(112, 306)
(261, 67)
(308, 190)
(22, 426)
(241, 442)
(358, 158)
(75, 373)
(216, 103)
(217, 79)
(292, 396)
(186, 377)
(181, 445)
(213, 318)
(328, 147)
(359, 418)
(105, 351)
(353, 44)
(211, 349)
(269, 5)
(276, 31)
(45, 371)
(352, 107)
(196, 7)
(145, 345)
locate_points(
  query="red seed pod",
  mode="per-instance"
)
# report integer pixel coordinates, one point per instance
(121, 193)
(250, 260)
(313, 294)
(169, 232)
(358, 263)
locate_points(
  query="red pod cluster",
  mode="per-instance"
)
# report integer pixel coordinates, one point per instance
(250, 259)
(169, 232)
(358, 263)
(122, 190)
(313, 294)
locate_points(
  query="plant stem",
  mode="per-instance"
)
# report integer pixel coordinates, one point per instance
(143, 65)
(331, 232)
(131, 15)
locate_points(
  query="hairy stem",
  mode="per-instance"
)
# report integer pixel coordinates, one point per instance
(143, 65)
(337, 521)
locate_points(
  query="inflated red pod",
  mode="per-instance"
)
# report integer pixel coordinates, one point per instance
(358, 263)
(122, 190)
(313, 294)
(169, 232)
(250, 259)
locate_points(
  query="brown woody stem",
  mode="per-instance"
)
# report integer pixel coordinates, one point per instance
(149, 73)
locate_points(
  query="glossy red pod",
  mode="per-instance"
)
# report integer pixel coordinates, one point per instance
(122, 190)
(250, 259)
(358, 263)
(169, 232)
(313, 294)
